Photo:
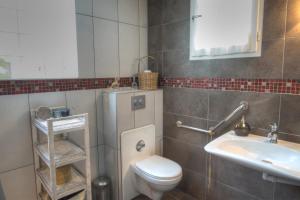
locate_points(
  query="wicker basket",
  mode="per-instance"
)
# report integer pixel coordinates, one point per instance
(63, 175)
(148, 80)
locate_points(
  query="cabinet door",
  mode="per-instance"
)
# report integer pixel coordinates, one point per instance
(125, 116)
(145, 116)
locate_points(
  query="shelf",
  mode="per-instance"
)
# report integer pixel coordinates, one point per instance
(76, 184)
(62, 125)
(65, 153)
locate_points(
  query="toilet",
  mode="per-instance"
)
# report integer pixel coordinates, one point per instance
(143, 172)
(156, 175)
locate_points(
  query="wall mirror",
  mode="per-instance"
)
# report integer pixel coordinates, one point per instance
(38, 39)
(225, 29)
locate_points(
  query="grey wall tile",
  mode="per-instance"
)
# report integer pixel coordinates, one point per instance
(143, 13)
(289, 137)
(188, 105)
(128, 11)
(94, 164)
(266, 106)
(157, 65)
(111, 169)
(174, 10)
(106, 42)
(185, 135)
(107, 9)
(79, 102)
(274, 19)
(85, 43)
(154, 39)
(193, 184)
(292, 59)
(51, 99)
(245, 179)
(284, 192)
(177, 64)
(143, 45)
(129, 49)
(269, 65)
(183, 101)
(290, 114)
(189, 156)
(15, 132)
(175, 35)
(154, 12)
(19, 184)
(84, 7)
(220, 191)
(101, 160)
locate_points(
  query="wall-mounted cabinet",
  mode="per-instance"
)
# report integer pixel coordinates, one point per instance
(38, 39)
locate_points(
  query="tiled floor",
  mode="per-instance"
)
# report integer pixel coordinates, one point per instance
(173, 195)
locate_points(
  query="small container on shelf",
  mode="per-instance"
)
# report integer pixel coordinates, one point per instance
(63, 174)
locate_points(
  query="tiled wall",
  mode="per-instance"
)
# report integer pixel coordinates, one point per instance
(169, 43)
(16, 166)
(29, 31)
(112, 35)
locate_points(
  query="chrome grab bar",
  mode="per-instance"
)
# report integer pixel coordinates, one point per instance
(179, 125)
(243, 107)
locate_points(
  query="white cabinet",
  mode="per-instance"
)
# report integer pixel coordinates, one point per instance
(39, 40)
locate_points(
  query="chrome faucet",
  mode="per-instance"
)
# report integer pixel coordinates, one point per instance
(272, 135)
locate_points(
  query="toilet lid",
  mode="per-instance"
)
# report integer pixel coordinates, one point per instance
(159, 168)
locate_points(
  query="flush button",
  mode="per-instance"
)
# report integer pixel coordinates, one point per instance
(140, 145)
(138, 102)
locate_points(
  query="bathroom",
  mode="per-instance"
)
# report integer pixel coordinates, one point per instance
(202, 98)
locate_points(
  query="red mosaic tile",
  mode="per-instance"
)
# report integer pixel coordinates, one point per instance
(223, 84)
(231, 84)
(38, 86)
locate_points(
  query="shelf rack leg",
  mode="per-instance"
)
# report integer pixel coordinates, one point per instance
(87, 161)
(51, 151)
(36, 157)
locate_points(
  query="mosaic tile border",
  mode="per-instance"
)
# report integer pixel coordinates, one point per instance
(224, 84)
(231, 84)
(39, 86)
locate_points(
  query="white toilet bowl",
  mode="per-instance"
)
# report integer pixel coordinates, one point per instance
(155, 175)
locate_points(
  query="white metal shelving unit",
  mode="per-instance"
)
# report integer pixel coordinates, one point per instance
(60, 152)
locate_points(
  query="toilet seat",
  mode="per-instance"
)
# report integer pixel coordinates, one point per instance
(158, 170)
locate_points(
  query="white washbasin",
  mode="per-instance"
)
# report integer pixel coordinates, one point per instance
(280, 160)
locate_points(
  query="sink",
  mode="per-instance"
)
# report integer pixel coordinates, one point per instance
(279, 162)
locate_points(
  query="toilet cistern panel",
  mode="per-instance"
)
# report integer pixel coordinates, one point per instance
(136, 144)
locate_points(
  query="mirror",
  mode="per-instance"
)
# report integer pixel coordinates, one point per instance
(38, 39)
(225, 29)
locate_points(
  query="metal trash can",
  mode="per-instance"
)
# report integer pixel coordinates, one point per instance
(101, 188)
